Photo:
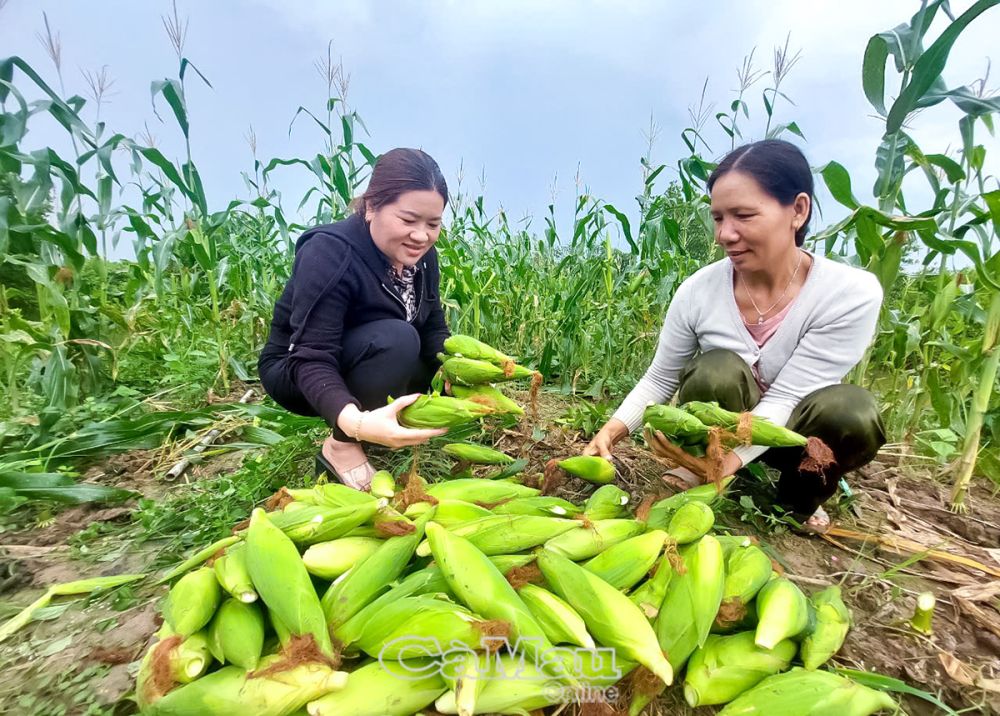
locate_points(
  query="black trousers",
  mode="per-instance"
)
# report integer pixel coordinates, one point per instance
(845, 417)
(378, 360)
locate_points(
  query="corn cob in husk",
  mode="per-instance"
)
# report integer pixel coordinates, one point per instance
(610, 617)
(441, 411)
(329, 560)
(511, 686)
(762, 431)
(662, 510)
(540, 506)
(748, 569)
(470, 371)
(231, 571)
(282, 581)
(692, 601)
(185, 660)
(310, 524)
(231, 691)
(477, 454)
(479, 491)
(676, 424)
(783, 612)
(560, 622)
(623, 565)
(368, 579)
(335, 494)
(833, 620)
(391, 633)
(192, 602)
(236, 635)
(489, 397)
(198, 558)
(590, 541)
(590, 468)
(469, 347)
(800, 692)
(477, 582)
(449, 513)
(383, 484)
(726, 666)
(395, 688)
(691, 522)
(649, 595)
(506, 534)
(607, 502)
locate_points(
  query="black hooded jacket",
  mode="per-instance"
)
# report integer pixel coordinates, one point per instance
(339, 281)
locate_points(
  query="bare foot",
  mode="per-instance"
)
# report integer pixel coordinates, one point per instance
(350, 462)
(681, 478)
(818, 523)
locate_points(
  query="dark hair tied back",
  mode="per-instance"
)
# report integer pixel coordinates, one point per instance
(397, 172)
(779, 167)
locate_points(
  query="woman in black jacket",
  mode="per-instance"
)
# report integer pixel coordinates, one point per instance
(361, 319)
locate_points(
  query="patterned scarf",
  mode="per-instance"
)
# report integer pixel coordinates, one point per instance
(404, 285)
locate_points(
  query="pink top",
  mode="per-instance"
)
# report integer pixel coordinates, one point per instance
(761, 333)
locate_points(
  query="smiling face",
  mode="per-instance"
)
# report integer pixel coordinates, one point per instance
(407, 228)
(753, 228)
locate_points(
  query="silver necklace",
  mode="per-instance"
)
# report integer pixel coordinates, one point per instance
(761, 314)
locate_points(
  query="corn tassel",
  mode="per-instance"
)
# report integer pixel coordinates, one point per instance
(368, 579)
(479, 491)
(231, 691)
(783, 612)
(440, 411)
(800, 692)
(282, 581)
(395, 688)
(608, 502)
(329, 560)
(231, 571)
(691, 522)
(762, 431)
(590, 468)
(236, 635)
(588, 542)
(624, 564)
(489, 397)
(560, 622)
(692, 601)
(477, 454)
(506, 534)
(726, 666)
(833, 620)
(477, 582)
(192, 601)
(610, 617)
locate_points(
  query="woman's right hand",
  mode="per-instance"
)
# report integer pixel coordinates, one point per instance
(604, 442)
(381, 426)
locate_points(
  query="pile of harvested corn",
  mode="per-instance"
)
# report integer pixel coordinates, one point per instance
(475, 596)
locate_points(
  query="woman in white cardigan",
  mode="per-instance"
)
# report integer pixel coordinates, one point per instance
(771, 328)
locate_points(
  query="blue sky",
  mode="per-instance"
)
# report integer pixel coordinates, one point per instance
(528, 93)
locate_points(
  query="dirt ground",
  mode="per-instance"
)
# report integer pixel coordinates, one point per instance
(897, 539)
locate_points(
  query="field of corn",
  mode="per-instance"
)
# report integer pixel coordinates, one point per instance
(137, 444)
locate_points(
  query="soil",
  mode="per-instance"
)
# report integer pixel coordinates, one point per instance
(899, 503)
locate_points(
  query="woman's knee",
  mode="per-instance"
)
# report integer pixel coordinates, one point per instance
(847, 417)
(379, 338)
(719, 375)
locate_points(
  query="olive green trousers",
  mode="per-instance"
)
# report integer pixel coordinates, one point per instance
(845, 417)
